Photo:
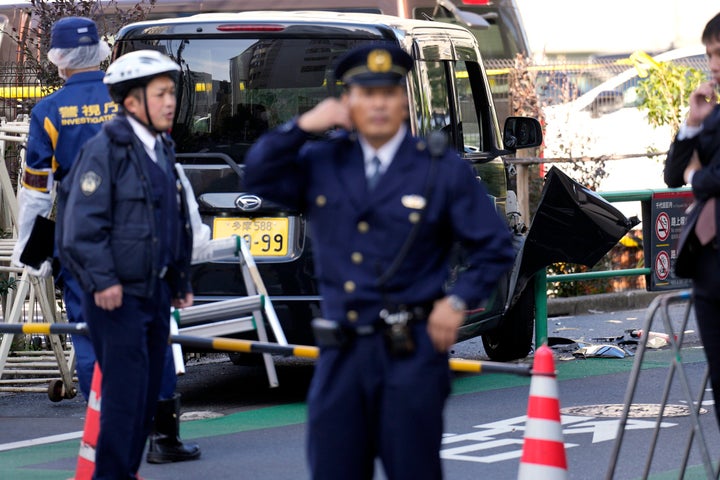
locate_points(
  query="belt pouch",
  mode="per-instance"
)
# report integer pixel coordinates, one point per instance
(329, 334)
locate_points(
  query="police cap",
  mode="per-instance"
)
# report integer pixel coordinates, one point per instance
(374, 65)
(73, 32)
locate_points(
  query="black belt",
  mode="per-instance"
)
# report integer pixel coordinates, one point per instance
(407, 314)
(391, 322)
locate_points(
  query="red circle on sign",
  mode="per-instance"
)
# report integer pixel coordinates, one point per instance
(662, 226)
(662, 265)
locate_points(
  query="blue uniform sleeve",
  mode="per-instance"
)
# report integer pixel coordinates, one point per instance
(40, 149)
(87, 221)
(483, 234)
(273, 169)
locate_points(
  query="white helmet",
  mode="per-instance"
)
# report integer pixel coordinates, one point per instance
(136, 69)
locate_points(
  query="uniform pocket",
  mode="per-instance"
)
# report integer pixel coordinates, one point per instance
(131, 252)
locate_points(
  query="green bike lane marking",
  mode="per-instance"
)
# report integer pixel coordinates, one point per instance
(17, 463)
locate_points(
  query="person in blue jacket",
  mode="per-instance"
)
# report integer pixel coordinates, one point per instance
(126, 237)
(59, 125)
(385, 210)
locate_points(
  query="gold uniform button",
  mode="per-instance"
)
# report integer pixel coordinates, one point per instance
(349, 286)
(414, 217)
(421, 146)
(320, 200)
(356, 258)
(363, 227)
(352, 316)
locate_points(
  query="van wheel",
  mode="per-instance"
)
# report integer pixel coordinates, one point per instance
(512, 339)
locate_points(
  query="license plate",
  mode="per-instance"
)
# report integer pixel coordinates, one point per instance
(266, 237)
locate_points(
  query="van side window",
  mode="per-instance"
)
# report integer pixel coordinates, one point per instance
(433, 104)
(469, 125)
(450, 104)
(438, 96)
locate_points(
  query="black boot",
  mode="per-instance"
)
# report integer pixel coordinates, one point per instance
(165, 443)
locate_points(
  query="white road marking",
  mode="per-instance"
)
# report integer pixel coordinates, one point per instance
(41, 441)
(484, 446)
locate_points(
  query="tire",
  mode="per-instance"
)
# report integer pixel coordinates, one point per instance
(512, 339)
(56, 390)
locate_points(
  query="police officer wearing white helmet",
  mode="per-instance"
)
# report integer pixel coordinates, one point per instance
(126, 237)
(60, 124)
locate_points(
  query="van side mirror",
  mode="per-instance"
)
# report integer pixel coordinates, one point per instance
(521, 132)
(469, 19)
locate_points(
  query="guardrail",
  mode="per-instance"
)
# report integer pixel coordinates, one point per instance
(542, 278)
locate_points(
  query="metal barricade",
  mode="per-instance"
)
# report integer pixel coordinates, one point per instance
(661, 305)
(28, 288)
(213, 319)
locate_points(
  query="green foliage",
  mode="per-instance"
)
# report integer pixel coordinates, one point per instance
(664, 93)
(33, 38)
(578, 288)
(7, 284)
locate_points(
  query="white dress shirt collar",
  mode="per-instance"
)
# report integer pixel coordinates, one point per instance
(386, 153)
(146, 138)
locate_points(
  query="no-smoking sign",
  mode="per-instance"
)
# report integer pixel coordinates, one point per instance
(666, 218)
(662, 265)
(662, 226)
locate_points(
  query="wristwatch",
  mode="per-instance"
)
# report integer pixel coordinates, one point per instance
(457, 303)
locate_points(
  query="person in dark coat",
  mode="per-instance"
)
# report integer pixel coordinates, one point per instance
(694, 159)
(126, 237)
(59, 125)
(384, 213)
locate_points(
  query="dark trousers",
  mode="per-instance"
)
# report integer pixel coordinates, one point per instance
(131, 346)
(364, 403)
(84, 351)
(706, 297)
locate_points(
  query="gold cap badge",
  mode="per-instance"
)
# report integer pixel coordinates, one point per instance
(379, 60)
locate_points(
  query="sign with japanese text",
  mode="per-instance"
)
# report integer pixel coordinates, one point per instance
(667, 212)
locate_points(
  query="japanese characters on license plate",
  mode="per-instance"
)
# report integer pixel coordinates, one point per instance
(266, 237)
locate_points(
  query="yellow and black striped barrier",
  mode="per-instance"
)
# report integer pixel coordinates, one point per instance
(44, 328)
(221, 344)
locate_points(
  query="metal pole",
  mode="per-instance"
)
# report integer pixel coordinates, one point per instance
(252, 346)
(541, 334)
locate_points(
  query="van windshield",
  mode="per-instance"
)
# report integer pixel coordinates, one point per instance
(233, 90)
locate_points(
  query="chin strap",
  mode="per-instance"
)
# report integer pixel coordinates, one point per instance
(149, 125)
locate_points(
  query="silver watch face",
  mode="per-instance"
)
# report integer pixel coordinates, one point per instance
(457, 303)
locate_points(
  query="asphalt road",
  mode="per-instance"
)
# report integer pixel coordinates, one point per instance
(248, 430)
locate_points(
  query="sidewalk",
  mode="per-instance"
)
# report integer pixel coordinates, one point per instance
(604, 302)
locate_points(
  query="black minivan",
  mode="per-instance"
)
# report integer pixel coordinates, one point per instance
(244, 73)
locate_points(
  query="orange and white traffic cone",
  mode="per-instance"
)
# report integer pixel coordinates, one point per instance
(543, 455)
(86, 456)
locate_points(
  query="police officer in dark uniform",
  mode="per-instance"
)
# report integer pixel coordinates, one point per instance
(59, 125)
(384, 212)
(126, 238)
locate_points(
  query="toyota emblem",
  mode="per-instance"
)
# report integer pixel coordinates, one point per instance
(248, 203)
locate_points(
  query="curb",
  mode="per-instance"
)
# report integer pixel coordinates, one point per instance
(604, 302)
